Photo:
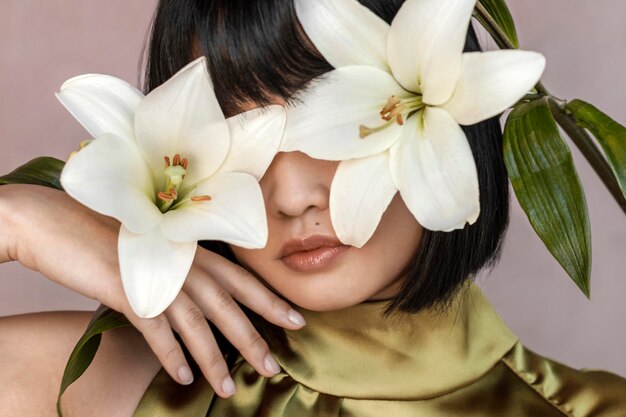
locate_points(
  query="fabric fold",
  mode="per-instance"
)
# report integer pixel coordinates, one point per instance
(465, 362)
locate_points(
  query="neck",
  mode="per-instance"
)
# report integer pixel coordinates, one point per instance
(356, 352)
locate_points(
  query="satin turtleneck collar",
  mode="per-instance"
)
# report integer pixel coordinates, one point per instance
(355, 352)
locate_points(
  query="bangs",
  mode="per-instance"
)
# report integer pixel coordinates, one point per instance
(255, 49)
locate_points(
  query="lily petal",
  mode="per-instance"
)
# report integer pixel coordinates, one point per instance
(425, 45)
(110, 177)
(493, 81)
(153, 269)
(345, 32)
(325, 125)
(183, 117)
(235, 214)
(359, 195)
(433, 167)
(255, 138)
(102, 104)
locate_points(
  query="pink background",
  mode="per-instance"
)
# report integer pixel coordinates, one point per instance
(44, 43)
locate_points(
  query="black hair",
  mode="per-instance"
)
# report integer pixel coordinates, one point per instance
(256, 49)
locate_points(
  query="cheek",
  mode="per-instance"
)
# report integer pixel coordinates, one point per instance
(399, 227)
(394, 243)
(374, 271)
(254, 260)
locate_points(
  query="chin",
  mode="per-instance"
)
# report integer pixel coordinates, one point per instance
(323, 304)
(327, 299)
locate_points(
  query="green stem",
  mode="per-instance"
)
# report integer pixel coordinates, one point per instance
(542, 89)
(492, 27)
(586, 145)
(499, 36)
(579, 136)
(531, 97)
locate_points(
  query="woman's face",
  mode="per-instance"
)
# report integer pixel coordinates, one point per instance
(303, 259)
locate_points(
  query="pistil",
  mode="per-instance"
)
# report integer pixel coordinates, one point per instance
(175, 171)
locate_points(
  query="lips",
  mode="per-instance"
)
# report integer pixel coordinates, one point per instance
(312, 253)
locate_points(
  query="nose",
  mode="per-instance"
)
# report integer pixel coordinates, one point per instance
(295, 184)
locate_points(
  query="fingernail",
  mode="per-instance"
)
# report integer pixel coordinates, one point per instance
(271, 365)
(228, 386)
(296, 318)
(185, 375)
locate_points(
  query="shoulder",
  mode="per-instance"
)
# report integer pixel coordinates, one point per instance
(114, 383)
(34, 349)
(572, 392)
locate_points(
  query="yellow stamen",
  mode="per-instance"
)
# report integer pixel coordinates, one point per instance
(165, 197)
(392, 109)
(201, 198)
(175, 170)
(393, 103)
(393, 112)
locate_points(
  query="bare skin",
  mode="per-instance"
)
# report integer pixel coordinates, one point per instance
(296, 189)
(33, 352)
(50, 226)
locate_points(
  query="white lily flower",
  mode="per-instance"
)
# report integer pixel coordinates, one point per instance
(391, 109)
(172, 170)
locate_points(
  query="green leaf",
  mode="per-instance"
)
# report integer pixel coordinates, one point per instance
(546, 183)
(610, 135)
(44, 171)
(500, 13)
(85, 350)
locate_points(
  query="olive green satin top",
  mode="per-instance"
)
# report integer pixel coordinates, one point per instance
(354, 363)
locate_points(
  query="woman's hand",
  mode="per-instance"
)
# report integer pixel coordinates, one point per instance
(49, 232)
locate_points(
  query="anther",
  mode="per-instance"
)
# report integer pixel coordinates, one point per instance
(167, 161)
(184, 164)
(176, 159)
(201, 198)
(392, 102)
(165, 197)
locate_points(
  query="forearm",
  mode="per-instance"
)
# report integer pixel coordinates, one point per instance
(8, 224)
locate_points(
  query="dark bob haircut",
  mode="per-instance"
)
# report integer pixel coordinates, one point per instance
(257, 49)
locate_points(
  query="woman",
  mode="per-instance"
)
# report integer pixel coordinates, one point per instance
(422, 360)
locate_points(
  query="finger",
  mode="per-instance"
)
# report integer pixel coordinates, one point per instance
(220, 308)
(249, 291)
(159, 336)
(189, 321)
